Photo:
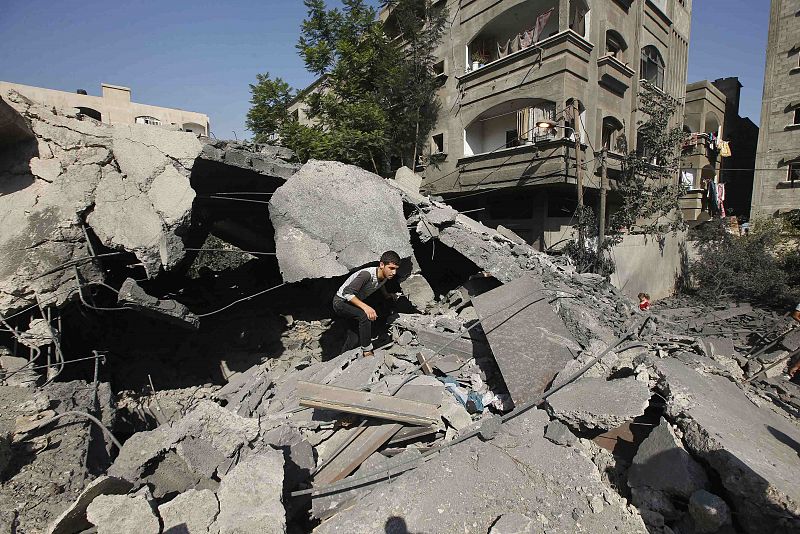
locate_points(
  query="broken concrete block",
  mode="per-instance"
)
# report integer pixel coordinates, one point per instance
(193, 512)
(408, 180)
(512, 523)
(112, 514)
(324, 229)
(709, 512)
(455, 414)
(528, 339)
(133, 296)
(792, 340)
(595, 403)
(510, 235)
(14, 372)
(662, 464)
(418, 291)
(544, 480)
(74, 518)
(558, 433)
(250, 496)
(215, 436)
(489, 427)
(750, 448)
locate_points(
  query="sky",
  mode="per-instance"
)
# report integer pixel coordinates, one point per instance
(200, 55)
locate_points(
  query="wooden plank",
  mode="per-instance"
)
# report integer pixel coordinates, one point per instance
(411, 432)
(424, 365)
(347, 461)
(367, 404)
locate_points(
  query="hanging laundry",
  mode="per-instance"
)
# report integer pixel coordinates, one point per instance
(523, 124)
(541, 22)
(721, 199)
(502, 49)
(527, 39)
(515, 44)
(724, 149)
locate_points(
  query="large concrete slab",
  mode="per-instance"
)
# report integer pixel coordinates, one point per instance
(331, 218)
(468, 487)
(528, 339)
(596, 403)
(753, 449)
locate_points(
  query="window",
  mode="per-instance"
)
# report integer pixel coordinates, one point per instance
(438, 143)
(615, 44)
(613, 138)
(89, 112)
(144, 119)
(512, 138)
(796, 119)
(794, 172)
(652, 66)
(438, 68)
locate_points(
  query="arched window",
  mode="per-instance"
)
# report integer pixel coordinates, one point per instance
(615, 45)
(145, 119)
(613, 135)
(89, 112)
(652, 66)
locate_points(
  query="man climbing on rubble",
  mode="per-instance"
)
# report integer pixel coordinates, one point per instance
(349, 299)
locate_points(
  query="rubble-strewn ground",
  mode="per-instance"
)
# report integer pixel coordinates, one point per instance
(508, 393)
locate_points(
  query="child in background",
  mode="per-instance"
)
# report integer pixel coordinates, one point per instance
(644, 301)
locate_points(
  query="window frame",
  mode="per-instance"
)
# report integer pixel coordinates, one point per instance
(652, 57)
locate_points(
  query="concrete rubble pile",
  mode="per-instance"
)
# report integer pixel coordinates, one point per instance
(508, 392)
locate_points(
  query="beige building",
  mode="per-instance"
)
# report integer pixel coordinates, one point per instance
(507, 65)
(114, 107)
(776, 187)
(704, 122)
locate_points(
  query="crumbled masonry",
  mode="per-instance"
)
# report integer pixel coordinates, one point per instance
(228, 381)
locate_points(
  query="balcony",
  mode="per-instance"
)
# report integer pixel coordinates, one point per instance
(614, 75)
(564, 51)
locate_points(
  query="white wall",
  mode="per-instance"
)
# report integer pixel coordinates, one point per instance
(643, 265)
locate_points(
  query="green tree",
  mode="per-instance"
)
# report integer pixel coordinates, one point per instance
(375, 104)
(647, 189)
(269, 101)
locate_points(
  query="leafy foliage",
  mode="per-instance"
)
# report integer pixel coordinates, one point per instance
(760, 267)
(648, 187)
(375, 103)
(270, 99)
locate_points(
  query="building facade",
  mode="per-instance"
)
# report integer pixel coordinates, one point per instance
(776, 188)
(114, 107)
(508, 65)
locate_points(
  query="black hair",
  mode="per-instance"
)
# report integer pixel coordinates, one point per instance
(390, 256)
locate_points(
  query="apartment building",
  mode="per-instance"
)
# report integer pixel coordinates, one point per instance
(508, 65)
(114, 106)
(776, 188)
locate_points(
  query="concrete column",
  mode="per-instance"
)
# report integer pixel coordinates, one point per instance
(563, 15)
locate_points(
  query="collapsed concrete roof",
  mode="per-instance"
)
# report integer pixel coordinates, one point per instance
(63, 176)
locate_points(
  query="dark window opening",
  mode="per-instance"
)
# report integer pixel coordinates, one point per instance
(794, 172)
(561, 206)
(613, 138)
(92, 113)
(652, 66)
(438, 68)
(510, 207)
(512, 138)
(615, 44)
(796, 119)
(438, 143)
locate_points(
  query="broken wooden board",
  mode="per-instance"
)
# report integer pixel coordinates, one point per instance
(529, 340)
(468, 345)
(348, 460)
(367, 404)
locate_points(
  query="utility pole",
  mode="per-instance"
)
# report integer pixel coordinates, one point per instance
(601, 234)
(578, 163)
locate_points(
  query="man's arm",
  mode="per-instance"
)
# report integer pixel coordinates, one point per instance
(371, 315)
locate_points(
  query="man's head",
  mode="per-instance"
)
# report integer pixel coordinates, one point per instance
(390, 262)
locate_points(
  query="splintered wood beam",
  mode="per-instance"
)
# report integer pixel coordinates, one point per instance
(348, 460)
(367, 404)
(424, 365)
